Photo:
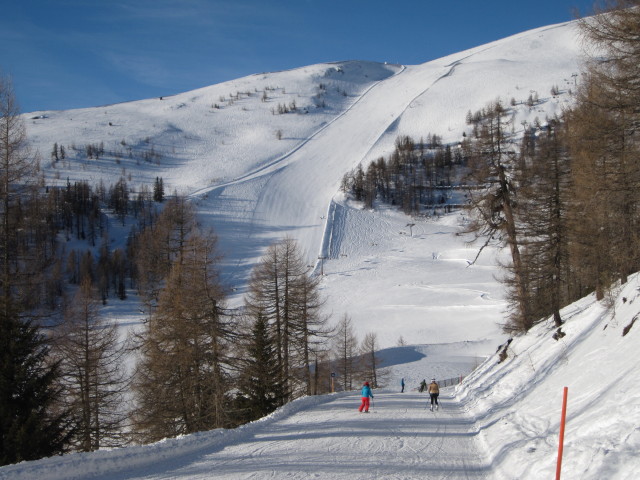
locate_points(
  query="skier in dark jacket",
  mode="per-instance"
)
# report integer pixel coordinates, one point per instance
(366, 393)
(423, 386)
(402, 385)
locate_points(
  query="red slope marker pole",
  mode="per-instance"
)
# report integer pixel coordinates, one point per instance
(561, 441)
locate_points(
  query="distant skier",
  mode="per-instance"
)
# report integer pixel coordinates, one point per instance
(366, 393)
(402, 385)
(434, 391)
(423, 386)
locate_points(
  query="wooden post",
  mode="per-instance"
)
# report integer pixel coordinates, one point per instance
(561, 441)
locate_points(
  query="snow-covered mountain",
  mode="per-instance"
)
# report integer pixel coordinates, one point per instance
(258, 174)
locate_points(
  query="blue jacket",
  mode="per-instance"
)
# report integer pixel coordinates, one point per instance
(366, 391)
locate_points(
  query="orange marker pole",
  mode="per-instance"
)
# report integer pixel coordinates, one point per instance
(561, 442)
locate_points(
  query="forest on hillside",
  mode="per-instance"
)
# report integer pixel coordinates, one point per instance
(563, 197)
(200, 365)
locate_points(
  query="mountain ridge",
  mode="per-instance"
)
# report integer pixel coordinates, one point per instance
(257, 174)
(211, 138)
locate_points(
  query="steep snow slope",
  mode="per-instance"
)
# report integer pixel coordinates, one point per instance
(524, 65)
(517, 403)
(220, 144)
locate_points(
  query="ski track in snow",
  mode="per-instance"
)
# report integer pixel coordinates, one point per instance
(317, 164)
(273, 201)
(399, 439)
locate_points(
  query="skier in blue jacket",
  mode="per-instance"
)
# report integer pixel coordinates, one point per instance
(366, 393)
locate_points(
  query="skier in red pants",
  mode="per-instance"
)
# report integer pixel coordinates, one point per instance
(366, 393)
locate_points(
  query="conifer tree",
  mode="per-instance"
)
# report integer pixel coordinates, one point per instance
(159, 245)
(93, 371)
(182, 381)
(54, 153)
(345, 350)
(18, 167)
(32, 424)
(309, 327)
(259, 379)
(605, 150)
(493, 209)
(370, 358)
(281, 290)
(544, 179)
(158, 190)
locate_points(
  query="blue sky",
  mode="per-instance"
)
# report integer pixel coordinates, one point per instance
(65, 54)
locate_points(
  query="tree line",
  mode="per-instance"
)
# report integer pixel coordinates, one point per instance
(563, 197)
(62, 366)
(417, 176)
(70, 382)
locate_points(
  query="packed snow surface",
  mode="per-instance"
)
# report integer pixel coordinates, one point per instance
(501, 423)
(258, 174)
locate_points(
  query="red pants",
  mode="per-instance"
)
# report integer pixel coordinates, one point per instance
(365, 404)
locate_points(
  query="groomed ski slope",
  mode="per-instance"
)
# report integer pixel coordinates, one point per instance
(399, 438)
(502, 423)
(293, 195)
(316, 437)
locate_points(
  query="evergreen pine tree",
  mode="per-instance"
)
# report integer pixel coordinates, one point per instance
(158, 190)
(54, 153)
(259, 379)
(30, 426)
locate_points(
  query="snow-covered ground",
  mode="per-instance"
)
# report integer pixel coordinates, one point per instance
(516, 404)
(257, 176)
(501, 423)
(416, 283)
